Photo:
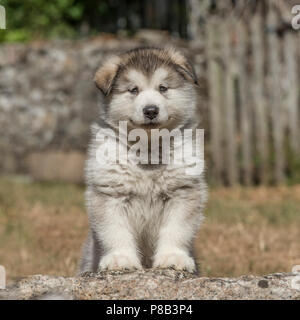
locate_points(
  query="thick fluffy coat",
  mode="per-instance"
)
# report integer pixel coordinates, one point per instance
(143, 215)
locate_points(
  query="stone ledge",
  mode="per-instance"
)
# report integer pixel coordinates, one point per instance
(152, 284)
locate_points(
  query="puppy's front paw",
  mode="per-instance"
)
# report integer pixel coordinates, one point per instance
(178, 260)
(119, 261)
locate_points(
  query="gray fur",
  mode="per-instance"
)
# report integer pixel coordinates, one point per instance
(143, 215)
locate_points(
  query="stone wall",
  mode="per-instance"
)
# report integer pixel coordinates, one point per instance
(153, 284)
(48, 100)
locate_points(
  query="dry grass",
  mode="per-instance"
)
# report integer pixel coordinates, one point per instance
(254, 230)
(42, 228)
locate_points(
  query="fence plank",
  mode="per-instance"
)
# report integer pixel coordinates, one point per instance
(275, 95)
(214, 88)
(229, 102)
(245, 98)
(292, 89)
(259, 99)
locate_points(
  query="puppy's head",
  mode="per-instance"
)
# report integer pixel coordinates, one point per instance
(149, 88)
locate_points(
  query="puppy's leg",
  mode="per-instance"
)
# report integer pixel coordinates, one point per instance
(181, 220)
(90, 255)
(111, 227)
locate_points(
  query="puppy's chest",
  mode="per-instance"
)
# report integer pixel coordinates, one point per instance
(150, 184)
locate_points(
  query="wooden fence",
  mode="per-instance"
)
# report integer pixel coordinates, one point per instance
(253, 74)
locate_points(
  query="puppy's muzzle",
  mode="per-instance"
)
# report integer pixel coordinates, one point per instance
(151, 112)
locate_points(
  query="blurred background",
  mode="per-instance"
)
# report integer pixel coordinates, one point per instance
(246, 54)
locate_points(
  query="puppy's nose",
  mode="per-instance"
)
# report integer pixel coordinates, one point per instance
(151, 112)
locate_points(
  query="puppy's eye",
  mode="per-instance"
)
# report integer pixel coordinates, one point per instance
(134, 90)
(162, 88)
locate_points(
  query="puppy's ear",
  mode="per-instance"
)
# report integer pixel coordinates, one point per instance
(182, 65)
(105, 75)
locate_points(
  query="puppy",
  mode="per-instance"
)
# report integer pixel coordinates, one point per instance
(142, 214)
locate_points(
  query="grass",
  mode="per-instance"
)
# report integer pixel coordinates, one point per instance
(251, 230)
(247, 230)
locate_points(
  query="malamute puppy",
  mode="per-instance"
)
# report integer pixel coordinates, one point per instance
(143, 214)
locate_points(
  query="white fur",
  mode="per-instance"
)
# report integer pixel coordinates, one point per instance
(143, 216)
(128, 204)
